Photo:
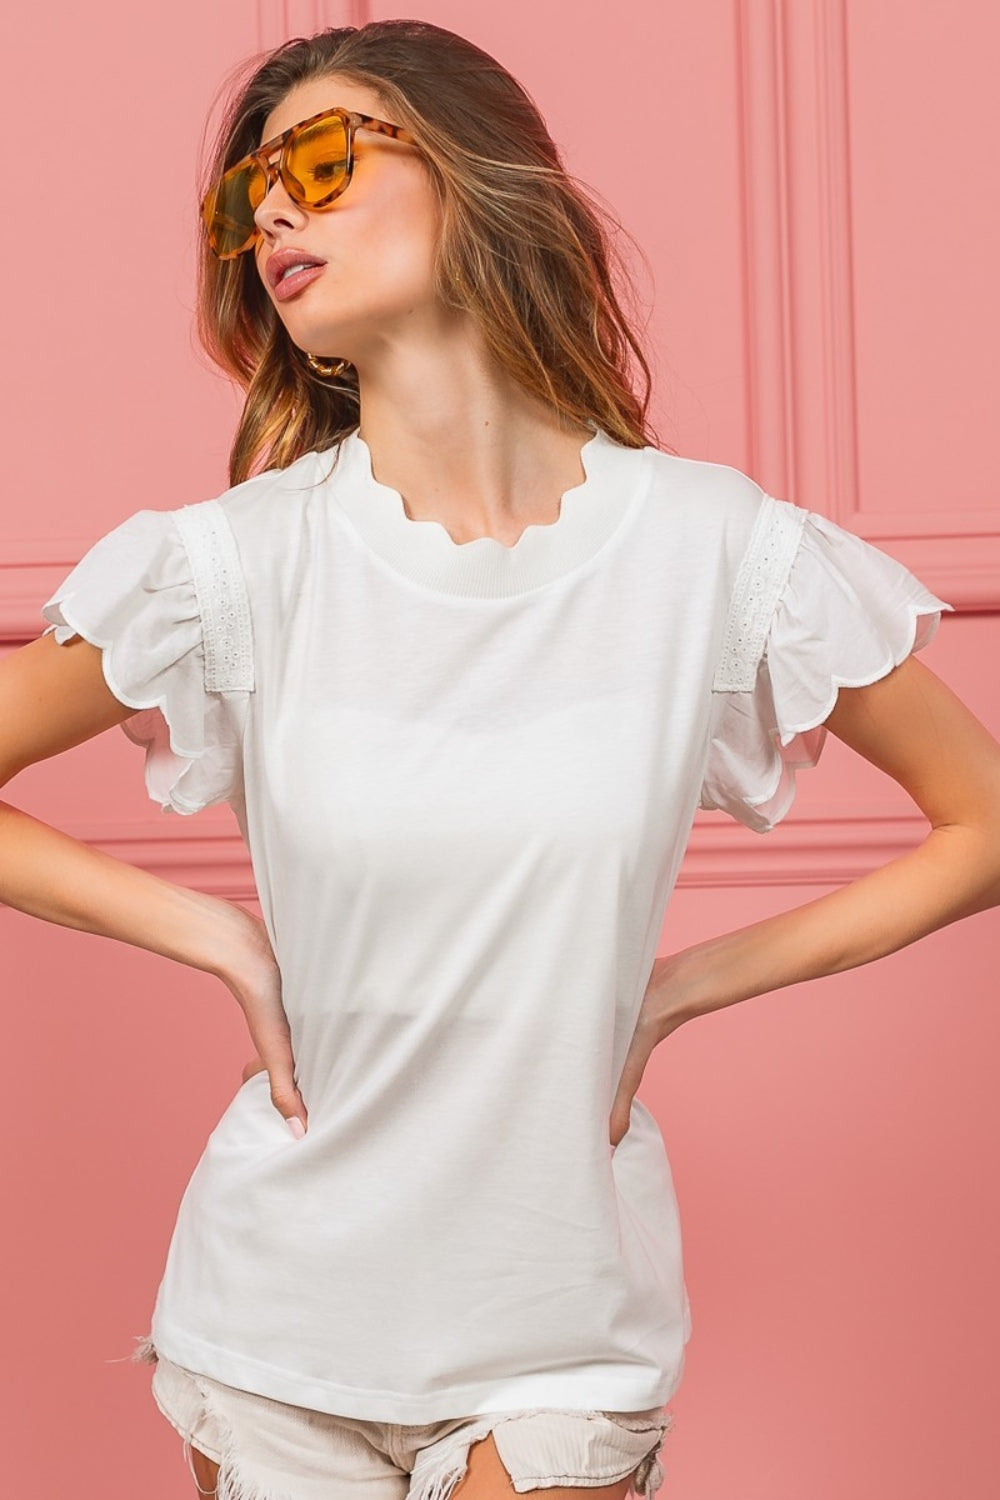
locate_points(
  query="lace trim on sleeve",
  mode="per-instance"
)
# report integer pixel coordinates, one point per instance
(760, 579)
(222, 596)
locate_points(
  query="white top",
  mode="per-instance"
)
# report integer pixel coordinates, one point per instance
(466, 775)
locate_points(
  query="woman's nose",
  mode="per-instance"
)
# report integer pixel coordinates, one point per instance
(277, 208)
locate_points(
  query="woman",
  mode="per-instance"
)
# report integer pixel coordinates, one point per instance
(464, 654)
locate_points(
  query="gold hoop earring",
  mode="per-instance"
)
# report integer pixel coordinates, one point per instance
(324, 369)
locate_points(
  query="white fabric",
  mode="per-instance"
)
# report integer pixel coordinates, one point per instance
(134, 595)
(466, 774)
(843, 614)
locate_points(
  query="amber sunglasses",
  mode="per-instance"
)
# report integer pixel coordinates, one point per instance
(315, 164)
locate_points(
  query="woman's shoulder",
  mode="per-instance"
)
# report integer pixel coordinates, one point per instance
(256, 529)
(267, 513)
(705, 507)
(266, 502)
(718, 491)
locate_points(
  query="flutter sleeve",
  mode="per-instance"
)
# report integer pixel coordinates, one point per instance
(164, 597)
(814, 608)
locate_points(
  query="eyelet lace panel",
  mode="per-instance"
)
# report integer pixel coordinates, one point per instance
(760, 579)
(222, 596)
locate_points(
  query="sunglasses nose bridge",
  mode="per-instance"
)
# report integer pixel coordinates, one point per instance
(272, 170)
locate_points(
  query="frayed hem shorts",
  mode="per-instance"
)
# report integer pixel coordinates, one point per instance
(270, 1450)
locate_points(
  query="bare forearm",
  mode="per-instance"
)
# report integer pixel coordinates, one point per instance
(954, 873)
(50, 875)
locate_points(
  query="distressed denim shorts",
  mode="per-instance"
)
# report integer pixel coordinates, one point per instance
(270, 1450)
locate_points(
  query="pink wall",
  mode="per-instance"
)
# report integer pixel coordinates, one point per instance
(807, 185)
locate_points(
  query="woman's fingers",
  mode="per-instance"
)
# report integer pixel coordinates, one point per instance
(297, 1114)
(660, 1014)
(255, 980)
(274, 1045)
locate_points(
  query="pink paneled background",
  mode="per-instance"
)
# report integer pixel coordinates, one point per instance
(813, 185)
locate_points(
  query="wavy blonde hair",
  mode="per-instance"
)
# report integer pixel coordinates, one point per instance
(523, 248)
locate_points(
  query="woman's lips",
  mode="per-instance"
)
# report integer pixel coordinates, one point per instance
(289, 285)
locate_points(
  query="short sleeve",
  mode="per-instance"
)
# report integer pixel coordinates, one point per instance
(814, 608)
(164, 597)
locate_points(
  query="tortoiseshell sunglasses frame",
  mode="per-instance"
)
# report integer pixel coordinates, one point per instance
(282, 143)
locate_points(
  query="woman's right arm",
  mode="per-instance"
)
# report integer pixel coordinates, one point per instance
(53, 697)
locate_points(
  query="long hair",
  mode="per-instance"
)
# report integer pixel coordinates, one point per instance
(523, 248)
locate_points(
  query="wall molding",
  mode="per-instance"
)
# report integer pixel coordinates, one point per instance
(797, 223)
(829, 849)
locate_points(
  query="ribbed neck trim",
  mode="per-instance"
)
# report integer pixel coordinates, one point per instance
(424, 551)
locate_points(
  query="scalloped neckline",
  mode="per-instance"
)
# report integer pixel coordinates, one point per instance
(393, 497)
(424, 551)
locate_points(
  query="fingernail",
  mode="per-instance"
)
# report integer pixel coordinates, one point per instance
(296, 1126)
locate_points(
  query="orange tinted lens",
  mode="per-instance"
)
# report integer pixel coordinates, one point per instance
(229, 208)
(317, 159)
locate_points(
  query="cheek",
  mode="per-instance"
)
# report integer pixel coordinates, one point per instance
(403, 233)
(397, 265)
(409, 264)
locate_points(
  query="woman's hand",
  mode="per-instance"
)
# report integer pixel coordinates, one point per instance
(664, 1007)
(255, 1065)
(255, 980)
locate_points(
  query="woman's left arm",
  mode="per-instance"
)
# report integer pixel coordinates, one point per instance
(912, 726)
